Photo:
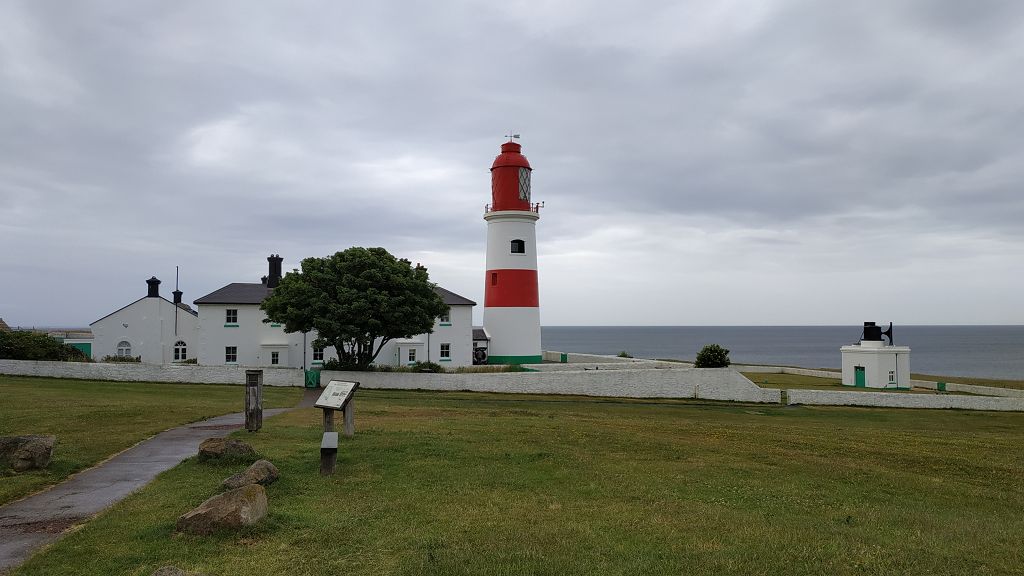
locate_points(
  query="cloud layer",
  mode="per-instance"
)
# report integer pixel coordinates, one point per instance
(702, 163)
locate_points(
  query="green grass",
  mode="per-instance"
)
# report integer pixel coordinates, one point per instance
(802, 382)
(463, 483)
(93, 420)
(1017, 384)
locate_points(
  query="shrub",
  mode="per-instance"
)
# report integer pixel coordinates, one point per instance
(25, 345)
(123, 359)
(427, 367)
(712, 356)
(625, 354)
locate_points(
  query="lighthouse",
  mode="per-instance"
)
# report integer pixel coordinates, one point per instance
(511, 303)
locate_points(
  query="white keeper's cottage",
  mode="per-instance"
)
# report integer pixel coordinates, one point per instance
(232, 331)
(153, 328)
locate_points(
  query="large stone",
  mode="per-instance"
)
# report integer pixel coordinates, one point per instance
(228, 511)
(27, 452)
(260, 472)
(225, 449)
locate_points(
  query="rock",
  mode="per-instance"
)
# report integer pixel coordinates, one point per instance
(27, 452)
(225, 449)
(261, 472)
(173, 571)
(228, 511)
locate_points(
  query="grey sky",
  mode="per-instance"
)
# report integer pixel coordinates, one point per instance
(702, 163)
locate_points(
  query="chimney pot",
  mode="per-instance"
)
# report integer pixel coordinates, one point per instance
(177, 296)
(274, 277)
(154, 287)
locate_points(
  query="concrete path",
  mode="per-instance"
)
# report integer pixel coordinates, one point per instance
(27, 524)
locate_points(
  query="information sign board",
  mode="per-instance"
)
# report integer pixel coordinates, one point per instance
(336, 395)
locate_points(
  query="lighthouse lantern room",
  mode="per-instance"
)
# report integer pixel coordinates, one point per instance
(511, 303)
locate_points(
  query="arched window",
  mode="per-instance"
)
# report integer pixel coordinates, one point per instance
(180, 349)
(124, 348)
(518, 247)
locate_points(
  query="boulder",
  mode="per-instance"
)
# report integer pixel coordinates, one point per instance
(28, 452)
(260, 472)
(228, 511)
(225, 449)
(173, 571)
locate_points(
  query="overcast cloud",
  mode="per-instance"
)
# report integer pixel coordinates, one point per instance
(701, 163)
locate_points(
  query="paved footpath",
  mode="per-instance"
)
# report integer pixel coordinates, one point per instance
(32, 522)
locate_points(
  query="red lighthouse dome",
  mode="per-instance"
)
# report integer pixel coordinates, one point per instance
(510, 179)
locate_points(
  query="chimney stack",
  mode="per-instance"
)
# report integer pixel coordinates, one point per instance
(177, 296)
(274, 278)
(154, 287)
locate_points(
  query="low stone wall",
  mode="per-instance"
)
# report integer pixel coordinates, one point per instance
(131, 372)
(970, 389)
(711, 384)
(576, 357)
(578, 366)
(898, 400)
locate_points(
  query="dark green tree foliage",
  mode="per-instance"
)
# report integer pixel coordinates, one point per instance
(24, 345)
(357, 300)
(712, 356)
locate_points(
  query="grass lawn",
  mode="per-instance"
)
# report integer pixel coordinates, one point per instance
(461, 483)
(94, 420)
(802, 382)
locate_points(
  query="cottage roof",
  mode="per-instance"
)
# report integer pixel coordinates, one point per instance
(452, 299)
(254, 293)
(237, 293)
(479, 334)
(3, 326)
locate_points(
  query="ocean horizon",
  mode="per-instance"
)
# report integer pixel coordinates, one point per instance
(979, 351)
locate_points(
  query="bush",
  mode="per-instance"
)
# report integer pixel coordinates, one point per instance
(188, 361)
(123, 359)
(25, 345)
(625, 354)
(712, 356)
(427, 367)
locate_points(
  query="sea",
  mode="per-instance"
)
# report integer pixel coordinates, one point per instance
(974, 351)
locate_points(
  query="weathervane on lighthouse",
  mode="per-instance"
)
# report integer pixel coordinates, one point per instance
(511, 301)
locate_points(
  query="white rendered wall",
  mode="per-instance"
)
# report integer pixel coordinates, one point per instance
(877, 363)
(150, 330)
(514, 331)
(502, 229)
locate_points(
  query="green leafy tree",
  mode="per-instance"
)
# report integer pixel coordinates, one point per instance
(712, 356)
(357, 300)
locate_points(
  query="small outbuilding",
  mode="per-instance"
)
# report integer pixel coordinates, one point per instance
(872, 363)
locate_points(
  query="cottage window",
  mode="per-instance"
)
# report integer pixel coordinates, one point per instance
(412, 354)
(180, 350)
(275, 358)
(124, 349)
(231, 316)
(318, 354)
(231, 354)
(446, 351)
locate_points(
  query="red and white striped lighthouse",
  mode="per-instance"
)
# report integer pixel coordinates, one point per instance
(511, 304)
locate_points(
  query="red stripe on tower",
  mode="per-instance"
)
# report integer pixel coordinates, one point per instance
(511, 288)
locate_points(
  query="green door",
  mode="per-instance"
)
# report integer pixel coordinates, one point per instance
(859, 380)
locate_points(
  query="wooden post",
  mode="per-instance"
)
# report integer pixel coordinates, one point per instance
(349, 414)
(328, 420)
(253, 400)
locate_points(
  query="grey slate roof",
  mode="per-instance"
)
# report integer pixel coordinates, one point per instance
(253, 293)
(3, 326)
(237, 293)
(479, 334)
(452, 299)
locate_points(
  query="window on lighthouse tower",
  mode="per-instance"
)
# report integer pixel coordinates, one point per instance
(524, 184)
(518, 247)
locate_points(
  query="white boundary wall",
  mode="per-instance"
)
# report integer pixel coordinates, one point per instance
(133, 372)
(703, 383)
(970, 389)
(897, 400)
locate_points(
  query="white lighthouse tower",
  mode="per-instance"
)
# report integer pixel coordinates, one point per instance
(511, 303)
